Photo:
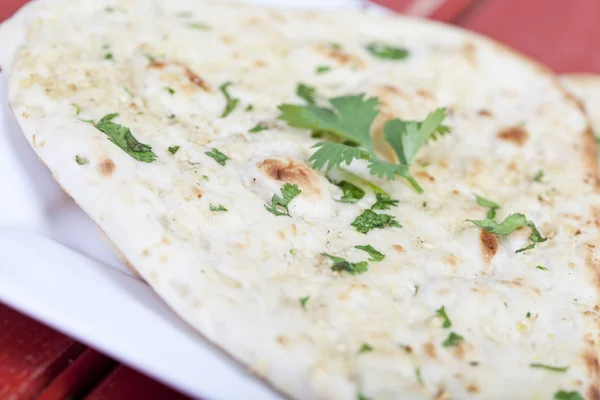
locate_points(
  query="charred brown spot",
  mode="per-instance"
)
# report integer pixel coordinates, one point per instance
(281, 235)
(106, 167)
(424, 175)
(226, 39)
(591, 363)
(515, 134)
(291, 171)
(260, 63)
(469, 52)
(398, 248)
(442, 395)
(282, 340)
(163, 259)
(197, 192)
(590, 157)
(157, 64)
(146, 252)
(489, 245)
(294, 229)
(429, 349)
(594, 392)
(130, 267)
(196, 80)
(472, 388)
(426, 94)
(484, 113)
(166, 240)
(592, 263)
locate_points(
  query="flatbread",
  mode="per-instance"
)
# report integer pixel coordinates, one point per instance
(586, 87)
(257, 284)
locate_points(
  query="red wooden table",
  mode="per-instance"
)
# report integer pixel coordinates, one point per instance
(38, 362)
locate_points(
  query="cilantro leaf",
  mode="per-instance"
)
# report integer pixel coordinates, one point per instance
(542, 268)
(173, 149)
(108, 56)
(386, 52)
(352, 193)
(361, 396)
(441, 312)
(506, 227)
(259, 127)
(289, 192)
(307, 93)
(199, 26)
(321, 69)
(365, 348)
(218, 156)
(339, 264)
(350, 119)
(332, 155)
(303, 301)
(375, 254)
(538, 176)
(170, 90)
(80, 160)
(491, 214)
(217, 208)
(384, 202)
(549, 367)
(122, 137)
(452, 340)
(564, 395)
(370, 220)
(419, 376)
(231, 102)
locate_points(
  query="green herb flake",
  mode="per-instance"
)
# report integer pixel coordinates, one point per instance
(491, 214)
(564, 395)
(170, 90)
(549, 367)
(206, 178)
(538, 176)
(307, 93)
(128, 91)
(339, 264)
(217, 208)
(350, 120)
(509, 225)
(441, 312)
(217, 156)
(375, 255)
(109, 9)
(231, 102)
(351, 193)
(419, 376)
(249, 107)
(80, 160)
(198, 26)
(361, 396)
(259, 127)
(528, 315)
(122, 137)
(289, 192)
(474, 363)
(542, 268)
(303, 301)
(108, 56)
(292, 252)
(334, 46)
(365, 348)
(171, 116)
(453, 340)
(321, 69)
(386, 52)
(424, 204)
(173, 149)
(77, 108)
(383, 202)
(370, 220)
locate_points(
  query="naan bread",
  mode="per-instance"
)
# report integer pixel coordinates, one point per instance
(257, 284)
(587, 89)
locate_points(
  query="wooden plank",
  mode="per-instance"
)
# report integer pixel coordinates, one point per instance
(31, 355)
(562, 34)
(126, 384)
(80, 377)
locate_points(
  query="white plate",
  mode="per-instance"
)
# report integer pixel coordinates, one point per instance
(55, 268)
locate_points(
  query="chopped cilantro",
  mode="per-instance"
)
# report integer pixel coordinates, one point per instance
(441, 312)
(509, 225)
(491, 214)
(199, 26)
(173, 149)
(217, 208)
(564, 395)
(339, 264)
(419, 376)
(365, 348)
(424, 204)
(351, 193)
(292, 251)
(528, 315)
(108, 56)
(549, 367)
(452, 340)
(538, 176)
(386, 52)
(375, 255)
(205, 178)
(249, 107)
(218, 156)
(77, 108)
(307, 93)
(289, 192)
(334, 46)
(350, 120)
(383, 202)
(542, 268)
(80, 160)
(259, 127)
(474, 363)
(170, 90)
(370, 220)
(321, 69)
(171, 116)
(128, 91)
(231, 102)
(122, 137)
(150, 57)
(361, 396)
(303, 301)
